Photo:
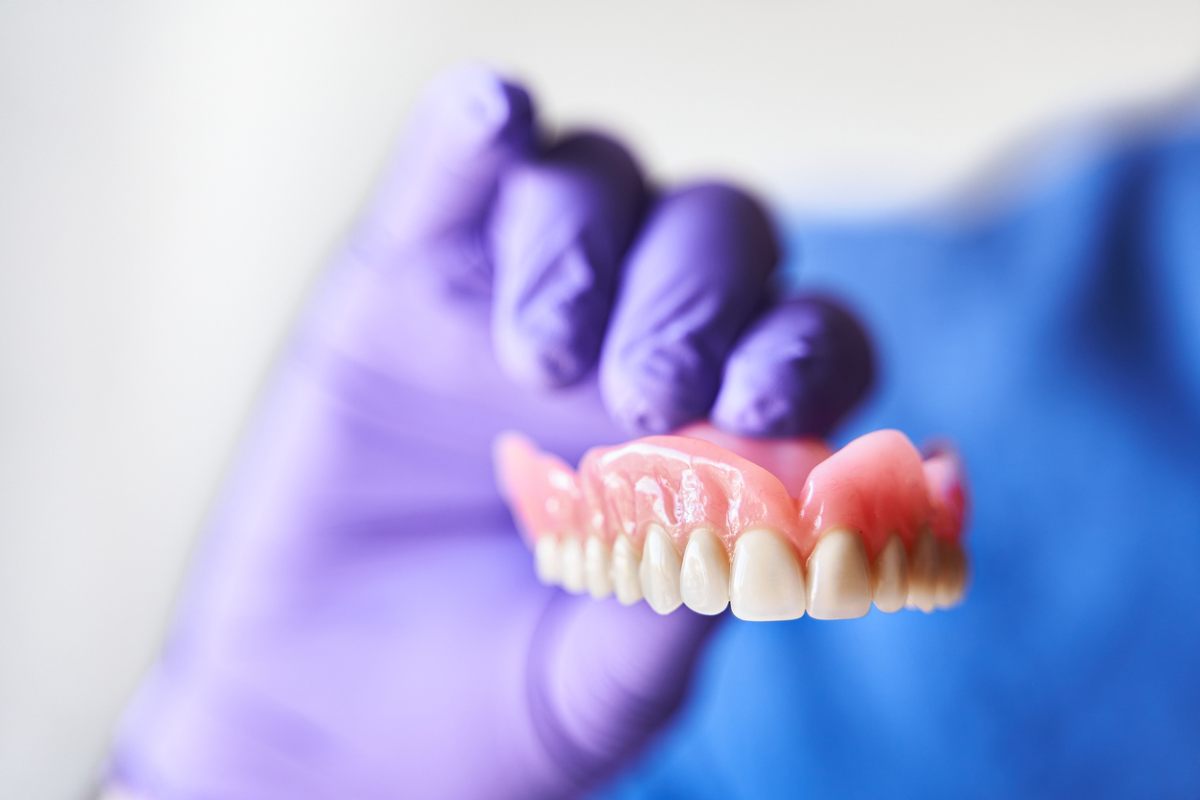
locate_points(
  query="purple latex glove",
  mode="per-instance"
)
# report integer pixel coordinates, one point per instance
(362, 620)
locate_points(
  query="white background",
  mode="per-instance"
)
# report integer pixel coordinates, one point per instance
(172, 175)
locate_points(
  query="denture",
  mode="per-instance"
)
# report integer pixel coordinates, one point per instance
(773, 529)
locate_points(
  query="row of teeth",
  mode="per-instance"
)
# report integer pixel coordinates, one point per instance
(765, 580)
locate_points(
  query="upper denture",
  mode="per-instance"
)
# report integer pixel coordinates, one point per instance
(840, 512)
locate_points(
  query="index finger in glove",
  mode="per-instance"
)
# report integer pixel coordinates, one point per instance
(695, 277)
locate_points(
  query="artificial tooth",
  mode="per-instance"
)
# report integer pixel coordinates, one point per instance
(571, 553)
(923, 573)
(660, 571)
(891, 576)
(597, 566)
(704, 578)
(839, 581)
(767, 582)
(952, 576)
(625, 566)
(547, 561)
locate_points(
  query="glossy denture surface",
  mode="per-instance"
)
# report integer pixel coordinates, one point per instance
(877, 485)
(872, 518)
(686, 482)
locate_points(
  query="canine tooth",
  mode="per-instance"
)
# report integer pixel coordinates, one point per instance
(597, 565)
(923, 573)
(546, 560)
(767, 582)
(952, 576)
(571, 553)
(625, 565)
(891, 576)
(839, 581)
(704, 578)
(660, 571)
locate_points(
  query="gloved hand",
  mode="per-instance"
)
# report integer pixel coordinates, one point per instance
(363, 621)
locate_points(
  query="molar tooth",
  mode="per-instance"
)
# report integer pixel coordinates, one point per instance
(625, 566)
(571, 553)
(767, 582)
(891, 576)
(923, 572)
(952, 576)
(547, 560)
(704, 577)
(660, 571)
(597, 564)
(839, 582)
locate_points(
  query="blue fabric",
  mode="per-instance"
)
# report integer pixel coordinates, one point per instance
(1057, 339)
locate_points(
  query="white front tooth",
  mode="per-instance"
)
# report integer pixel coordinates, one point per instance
(660, 571)
(704, 577)
(952, 575)
(571, 551)
(597, 564)
(839, 581)
(923, 573)
(767, 582)
(547, 560)
(891, 576)
(626, 563)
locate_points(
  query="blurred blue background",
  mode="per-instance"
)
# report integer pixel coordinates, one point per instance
(173, 175)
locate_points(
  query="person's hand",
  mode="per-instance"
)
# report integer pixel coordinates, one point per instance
(363, 620)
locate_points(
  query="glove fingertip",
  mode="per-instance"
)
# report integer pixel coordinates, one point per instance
(649, 402)
(797, 372)
(539, 364)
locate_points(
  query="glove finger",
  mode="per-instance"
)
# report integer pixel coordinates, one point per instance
(796, 371)
(605, 678)
(696, 275)
(560, 228)
(467, 128)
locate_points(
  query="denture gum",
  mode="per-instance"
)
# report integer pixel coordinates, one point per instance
(773, 528)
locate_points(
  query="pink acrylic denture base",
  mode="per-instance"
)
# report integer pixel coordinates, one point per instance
(877, 485)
